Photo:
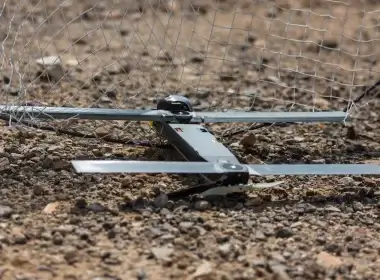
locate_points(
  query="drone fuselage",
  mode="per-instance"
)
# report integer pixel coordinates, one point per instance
(195, 143)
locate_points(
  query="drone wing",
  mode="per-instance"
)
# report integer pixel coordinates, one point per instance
(172, 167)
(314, 169)
(84, 113)
(270, 117)
(120, 166)
(161, 115)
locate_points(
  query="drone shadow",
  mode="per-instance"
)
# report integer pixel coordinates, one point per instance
(260, 203)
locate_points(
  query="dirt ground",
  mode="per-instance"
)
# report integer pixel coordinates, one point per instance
(257, 55)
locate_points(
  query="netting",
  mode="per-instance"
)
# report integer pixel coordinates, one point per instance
(228, 54)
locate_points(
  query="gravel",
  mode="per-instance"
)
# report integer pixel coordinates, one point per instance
(55, 223)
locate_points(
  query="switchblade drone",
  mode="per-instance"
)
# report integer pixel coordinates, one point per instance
(175, 120)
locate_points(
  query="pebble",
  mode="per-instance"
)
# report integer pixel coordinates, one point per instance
(280, 271)
(260, 236)
(80, 203)
(162, 253)
(185, 226)
(96, 207)
(202, 205)
(11, 90)
(203, 270)
(328, 260)
(57, 239)
(284, 233)
(52, 65)
(19, 239)
(51, 207)
(318, 161)
(5, 211)
(224, 249)
(332, 209)
(357, 206)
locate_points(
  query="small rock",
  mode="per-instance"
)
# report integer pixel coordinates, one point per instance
(10, 90)
(273, 79)
(72, 62)
(260, 236)
(5, 211)
(319, 161)
(38, 190)
(328, 261)
(83, 233)
(53, 66)
(284, 233)
(254, 201)
(4, 162)
(333, 248)
(320, 240)
(297, 224)
(109, 92)
(185, 226)
(203, 93)
(57, 239)
(248, 140)
(353, 248)
(321, 103)
(155, 232)
(65, 229)
(105, 99)
(162, 253)
(51, 207)
(96, 207)
(141, 275)
(80, 203)
(71, 255)
(305, 208)
(19, 239)
(203, 270)
(202, 205)
(348, 180)
(369, 182)
(331, 209)
(101, 131)
(299, 139)
(224, 249)
(201, 230)
(167, 237)
(280, 271)
(357, 206)
(112, 260)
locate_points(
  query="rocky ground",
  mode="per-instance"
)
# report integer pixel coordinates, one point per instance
(55, 223)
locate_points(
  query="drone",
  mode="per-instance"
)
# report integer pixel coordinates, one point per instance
(175, 120)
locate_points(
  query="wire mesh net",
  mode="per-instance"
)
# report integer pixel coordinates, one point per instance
(255, 55)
